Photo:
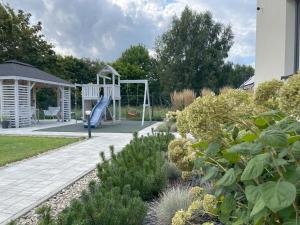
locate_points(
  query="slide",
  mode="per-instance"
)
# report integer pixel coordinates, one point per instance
(98, 112)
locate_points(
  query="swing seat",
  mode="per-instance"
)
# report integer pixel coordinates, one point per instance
(132, 114)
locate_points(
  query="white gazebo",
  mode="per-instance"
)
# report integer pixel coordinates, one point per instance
(18, 85)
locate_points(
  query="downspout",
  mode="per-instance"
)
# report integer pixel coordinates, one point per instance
(297, 23)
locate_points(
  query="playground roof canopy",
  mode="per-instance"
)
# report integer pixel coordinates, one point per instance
(108, 70)
(16, 70)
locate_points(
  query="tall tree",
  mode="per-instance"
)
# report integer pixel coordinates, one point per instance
(191, 53)
(135, 63)
(22, 41)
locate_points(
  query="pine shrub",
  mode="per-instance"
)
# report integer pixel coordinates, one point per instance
(140, 165)
(137, 173)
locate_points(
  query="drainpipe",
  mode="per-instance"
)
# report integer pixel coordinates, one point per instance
(297, 23)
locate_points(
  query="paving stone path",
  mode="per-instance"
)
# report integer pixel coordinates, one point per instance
(28, 183)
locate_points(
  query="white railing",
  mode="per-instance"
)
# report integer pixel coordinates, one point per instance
(90, 91)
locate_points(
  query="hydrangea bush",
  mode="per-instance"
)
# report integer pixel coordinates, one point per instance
(267, 94)
(289, 97)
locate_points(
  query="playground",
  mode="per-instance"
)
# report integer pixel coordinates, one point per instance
(125, 127)
(101, 107)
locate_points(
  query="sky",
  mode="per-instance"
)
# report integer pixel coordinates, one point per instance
(103, 29)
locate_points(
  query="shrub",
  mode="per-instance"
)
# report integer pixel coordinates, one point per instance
(181, 153)
(173, 173)
(103, 206)
(140, 164)
(289, 96)
(137, 173)
(207, 115)
(267, 93)
(182, 99)
(171, 201)
(257, 175)
(163, 127)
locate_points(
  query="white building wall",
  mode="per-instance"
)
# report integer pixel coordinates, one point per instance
(275, 39)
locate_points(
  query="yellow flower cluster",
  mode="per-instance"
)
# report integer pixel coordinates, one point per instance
(267, 93)
(171, 116)
(207, 223)
(206, 116)
(289, 98)
(210, 204)
(206, 203)
(197, 192)
(181, 217)
(182, 154)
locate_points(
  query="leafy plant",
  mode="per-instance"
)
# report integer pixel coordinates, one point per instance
(289, 100)
(257, 172)
(267, 93)
(206, 117)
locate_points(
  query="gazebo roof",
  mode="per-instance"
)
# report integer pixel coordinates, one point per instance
(17, 70)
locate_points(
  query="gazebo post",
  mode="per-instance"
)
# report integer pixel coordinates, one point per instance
(16, 103)
(58, 103)
(1, 101)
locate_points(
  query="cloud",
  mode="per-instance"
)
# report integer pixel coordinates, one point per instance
(103, 29)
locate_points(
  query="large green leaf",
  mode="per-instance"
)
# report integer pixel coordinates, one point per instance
(228, 179)
(211, 173)
(246, 148)
(253, 193)
(292, 173)
(254, 168)
(201, 144)
(258, 207)
(231, 157)
(278, 195)
(274, 138)
(248, 137)
(296, 149)
(293, 139)
(261, 122)
(235, 133)
(199, 163)
(213, 149)
(227, 206)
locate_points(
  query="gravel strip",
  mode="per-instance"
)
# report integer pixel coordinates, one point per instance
(61, 200)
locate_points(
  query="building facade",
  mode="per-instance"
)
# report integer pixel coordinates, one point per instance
(277, 39)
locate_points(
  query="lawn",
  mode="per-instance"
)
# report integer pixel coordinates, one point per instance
(15, 148)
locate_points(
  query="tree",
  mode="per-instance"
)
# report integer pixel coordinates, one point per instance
(234, 75)
(22, 41)
(135, 63)
(191, 53)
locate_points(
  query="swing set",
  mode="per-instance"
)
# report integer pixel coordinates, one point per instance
(97, 98)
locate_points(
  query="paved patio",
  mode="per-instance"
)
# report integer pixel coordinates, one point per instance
(28, 183)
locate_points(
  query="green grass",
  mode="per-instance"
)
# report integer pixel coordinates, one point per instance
(15, 148)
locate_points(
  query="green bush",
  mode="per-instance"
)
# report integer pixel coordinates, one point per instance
(267, 93)
(289, 98)
(99, 205)
(136, 173)
(257, 173)
(140, 165)
(207, 115)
